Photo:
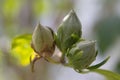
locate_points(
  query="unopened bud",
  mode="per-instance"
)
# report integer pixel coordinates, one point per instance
(68, 32)
(43, 41)
(82, 55)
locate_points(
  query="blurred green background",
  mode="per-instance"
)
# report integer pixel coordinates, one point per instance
(100, 21)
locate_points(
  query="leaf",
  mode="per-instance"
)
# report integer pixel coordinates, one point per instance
(108, 74)
(21, 49)
(99, 64)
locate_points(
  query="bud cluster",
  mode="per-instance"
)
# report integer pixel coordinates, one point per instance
(76, 52)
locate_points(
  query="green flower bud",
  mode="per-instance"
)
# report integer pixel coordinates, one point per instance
(68, 32)
(43, 41)
(81, 55)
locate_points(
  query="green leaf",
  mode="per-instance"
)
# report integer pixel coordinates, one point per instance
(108, 74)
(99, 64)
(21, 49)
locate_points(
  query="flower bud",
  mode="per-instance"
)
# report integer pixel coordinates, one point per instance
(43, 41)
(68, 32)
(81, 55)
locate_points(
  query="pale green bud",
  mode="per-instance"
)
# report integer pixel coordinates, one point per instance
(81, 55)
(43, 41)
(68, 32)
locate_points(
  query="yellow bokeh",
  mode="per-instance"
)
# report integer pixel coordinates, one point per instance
(21, 49)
